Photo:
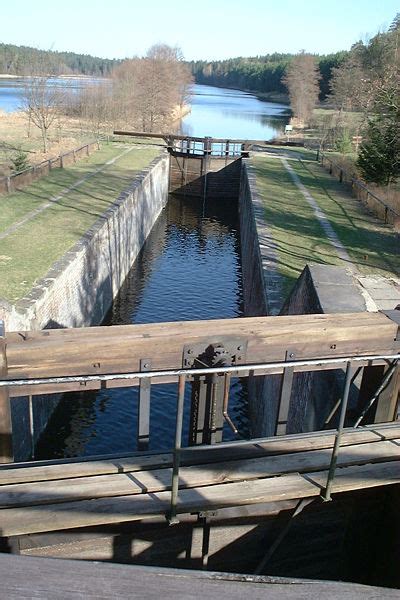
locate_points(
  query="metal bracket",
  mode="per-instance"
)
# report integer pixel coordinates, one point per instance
(285, 395)
(143, 428)
(205, 514)
(225, 351)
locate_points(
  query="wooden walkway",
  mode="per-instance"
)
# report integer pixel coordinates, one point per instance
(32, 577)
(54, 496)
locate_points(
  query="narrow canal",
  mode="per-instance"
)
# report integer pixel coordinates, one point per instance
(189, 268)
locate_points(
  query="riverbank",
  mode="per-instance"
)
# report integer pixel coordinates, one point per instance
(277, 97)
(313, 218)
(39, 224)
(16, 136)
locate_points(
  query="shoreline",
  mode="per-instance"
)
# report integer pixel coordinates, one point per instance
(274, 97)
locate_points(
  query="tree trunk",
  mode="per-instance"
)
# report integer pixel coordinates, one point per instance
(44, 137)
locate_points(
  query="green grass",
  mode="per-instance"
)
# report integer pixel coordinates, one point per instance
(372, 246)
(300, 238)
(298, 235)
(28, 253)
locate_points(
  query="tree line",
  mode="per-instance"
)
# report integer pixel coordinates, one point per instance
(17, 60)
(366, 82)
(262, 74)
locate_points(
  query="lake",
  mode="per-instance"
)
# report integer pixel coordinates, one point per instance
(11, 89)
(216, 112)
(226, 113)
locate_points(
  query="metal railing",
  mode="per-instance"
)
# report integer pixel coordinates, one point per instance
(361, 191)
(351, 364)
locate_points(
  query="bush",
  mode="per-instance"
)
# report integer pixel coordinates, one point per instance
(19, 162)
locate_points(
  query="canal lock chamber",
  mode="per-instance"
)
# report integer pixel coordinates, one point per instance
(201, 261)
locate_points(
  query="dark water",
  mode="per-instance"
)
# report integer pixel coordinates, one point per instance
(225, 113)
(189, 268)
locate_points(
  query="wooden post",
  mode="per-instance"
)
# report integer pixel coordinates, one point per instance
(6, 448)
(385, 407)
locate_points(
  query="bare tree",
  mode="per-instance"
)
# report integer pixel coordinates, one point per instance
(148, 90)
(96, 107)
(41, 101)
(301, 79)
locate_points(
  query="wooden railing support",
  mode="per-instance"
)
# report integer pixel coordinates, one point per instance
(6, 447)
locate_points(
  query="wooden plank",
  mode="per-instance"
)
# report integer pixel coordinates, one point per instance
(34, 577)
(52, 517)
(253, 449)
(49, 492)
(86, 513)
(96, 350)
(6, 445)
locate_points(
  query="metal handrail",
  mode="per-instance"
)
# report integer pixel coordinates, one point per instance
(269, 366)
(182, 374)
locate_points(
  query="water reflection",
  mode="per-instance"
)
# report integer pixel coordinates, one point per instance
(220, 112)
(189, 268)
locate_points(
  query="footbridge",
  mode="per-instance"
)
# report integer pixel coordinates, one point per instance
(357, 446)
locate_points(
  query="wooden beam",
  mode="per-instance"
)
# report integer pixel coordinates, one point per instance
(34, 577)
(119, 349)
(6, 446)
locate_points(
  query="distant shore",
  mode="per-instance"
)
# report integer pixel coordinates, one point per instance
(62, 76)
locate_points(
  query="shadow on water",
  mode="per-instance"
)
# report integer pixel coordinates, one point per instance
(188, 269)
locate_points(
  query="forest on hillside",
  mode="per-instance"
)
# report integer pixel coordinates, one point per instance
(20, 60)
(261, 74)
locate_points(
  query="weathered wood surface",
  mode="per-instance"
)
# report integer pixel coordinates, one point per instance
(53, 470)
(119, 349)
(106, 492)
(6, 449)
(33, 577)
(119, 509)
(139, 482)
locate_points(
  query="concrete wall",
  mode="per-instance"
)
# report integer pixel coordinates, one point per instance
(80, 287)
(319, 289)
(197, 176)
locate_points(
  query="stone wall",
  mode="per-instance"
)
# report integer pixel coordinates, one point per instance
(80, 287)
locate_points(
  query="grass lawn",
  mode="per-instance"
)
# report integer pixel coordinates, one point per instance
(298, 234)
(27, 254)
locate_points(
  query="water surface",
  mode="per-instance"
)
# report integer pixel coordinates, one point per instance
(189, 269)
(226, 113)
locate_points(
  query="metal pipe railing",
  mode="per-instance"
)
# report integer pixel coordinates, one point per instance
(183, 374)
(236, 369)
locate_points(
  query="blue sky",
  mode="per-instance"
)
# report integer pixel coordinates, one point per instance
(207, 29)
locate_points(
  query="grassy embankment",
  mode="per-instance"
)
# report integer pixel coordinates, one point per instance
(347, 161)
(27, 254)
(71, 134)
(300, 238)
